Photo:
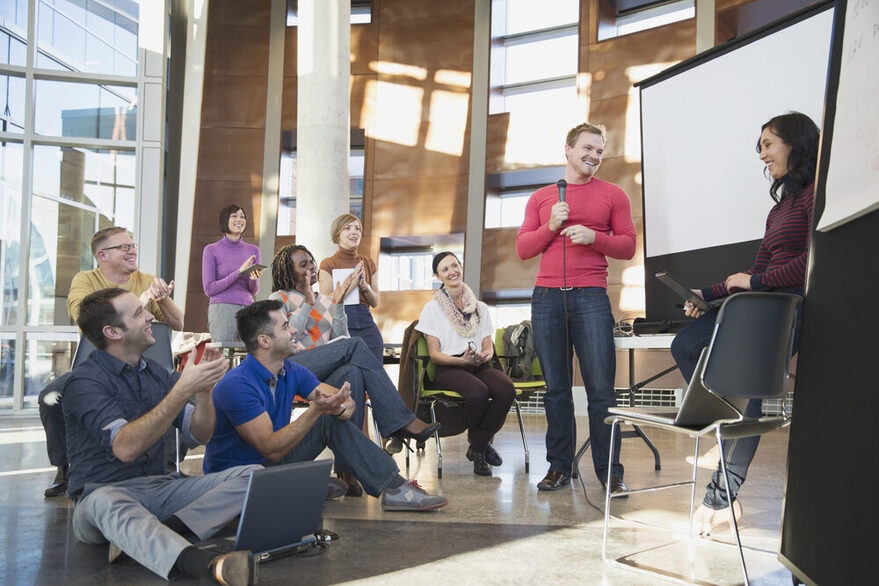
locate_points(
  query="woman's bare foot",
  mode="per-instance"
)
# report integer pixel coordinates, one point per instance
(706, 519)
(709, 460)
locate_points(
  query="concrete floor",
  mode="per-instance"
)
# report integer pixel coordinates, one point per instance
(497, 530)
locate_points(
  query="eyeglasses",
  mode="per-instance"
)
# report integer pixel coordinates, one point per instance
(123, 247)
(472, 346)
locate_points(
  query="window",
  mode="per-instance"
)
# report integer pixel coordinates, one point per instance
(287, 189)
(361, 12)
(405, 263)
(632, 16)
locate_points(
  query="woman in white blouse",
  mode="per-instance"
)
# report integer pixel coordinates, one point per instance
(459, 335)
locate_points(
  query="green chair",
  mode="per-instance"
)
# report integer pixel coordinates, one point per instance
(425, 371)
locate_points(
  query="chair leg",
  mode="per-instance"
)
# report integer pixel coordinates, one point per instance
(378, 435)
(643, 436)
(693, 488)
(729, 502)
(522, 431)
(614, 429)
(439, 449)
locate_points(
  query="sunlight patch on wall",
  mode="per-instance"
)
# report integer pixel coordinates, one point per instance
(398, 115)
(448, 115)
(401, 69)
(450, 77)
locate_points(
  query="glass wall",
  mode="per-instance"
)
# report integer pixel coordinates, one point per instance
(65, 172)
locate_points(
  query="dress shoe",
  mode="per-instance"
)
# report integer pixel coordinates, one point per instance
(59, 485)
(393, 445)
(236, 568)
(336, 488)
(616, 485)
(354, 488)
(424, 435)
(492, 457)
(554, 480)
(480, 465)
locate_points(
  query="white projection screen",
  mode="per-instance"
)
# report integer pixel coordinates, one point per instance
(705, 195)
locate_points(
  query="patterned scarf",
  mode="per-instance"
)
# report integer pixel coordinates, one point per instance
(463, 320)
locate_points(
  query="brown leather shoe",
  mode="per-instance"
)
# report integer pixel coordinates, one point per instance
(616, 485)
(554, 480)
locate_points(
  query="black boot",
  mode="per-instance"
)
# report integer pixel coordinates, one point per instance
(59, 485)
(480, 466)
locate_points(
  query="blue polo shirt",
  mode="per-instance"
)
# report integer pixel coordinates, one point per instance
(244, 394)
(101, 396)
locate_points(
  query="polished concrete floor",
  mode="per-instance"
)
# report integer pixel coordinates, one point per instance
(497, 530)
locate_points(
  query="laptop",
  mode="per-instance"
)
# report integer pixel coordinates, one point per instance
(699, 406)
(282, 510)
(686, 293)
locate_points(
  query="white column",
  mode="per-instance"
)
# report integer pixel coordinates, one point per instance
(322, 121)
(196, 15)
(705, 16)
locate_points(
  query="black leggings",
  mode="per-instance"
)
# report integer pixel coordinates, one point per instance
(478, 384)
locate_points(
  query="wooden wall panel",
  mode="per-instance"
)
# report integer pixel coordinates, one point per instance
(236, 101)
(501, 267)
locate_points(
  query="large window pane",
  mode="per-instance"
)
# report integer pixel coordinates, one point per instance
(10, 220)
(103, 180)
(48, 356)
(85, 110)
(88, 35)
(11, 103)
(13, 31)
(59, 248)
(541, 59)
(7, 369)
(525, 15)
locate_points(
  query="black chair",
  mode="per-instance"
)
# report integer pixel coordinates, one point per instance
(748, 358)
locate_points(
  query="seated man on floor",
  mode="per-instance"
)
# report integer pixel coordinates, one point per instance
(116, 254)
(117, 406)
(254, 402)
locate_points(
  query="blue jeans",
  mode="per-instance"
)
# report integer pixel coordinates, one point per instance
(352, 450)
(686, 349)
(576, 320)
(350, 360)
(362, 325)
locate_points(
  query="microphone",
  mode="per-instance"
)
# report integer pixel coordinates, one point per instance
(562, 185)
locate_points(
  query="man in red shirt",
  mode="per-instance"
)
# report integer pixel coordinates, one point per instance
(569, 306)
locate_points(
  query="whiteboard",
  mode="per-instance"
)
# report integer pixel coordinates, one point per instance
(852, 187)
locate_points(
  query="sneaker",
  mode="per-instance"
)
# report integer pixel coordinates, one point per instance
(411, 497)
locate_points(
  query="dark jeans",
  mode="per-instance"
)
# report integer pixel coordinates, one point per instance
(488, 394)
(362, 325)
(686, 349)
(576, 320)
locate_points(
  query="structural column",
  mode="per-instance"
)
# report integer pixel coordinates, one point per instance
(322, 120)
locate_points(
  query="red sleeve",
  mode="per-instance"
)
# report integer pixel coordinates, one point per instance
(534, 235)
(620, 243)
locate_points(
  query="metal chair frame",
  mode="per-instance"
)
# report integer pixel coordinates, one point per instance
(716, 381)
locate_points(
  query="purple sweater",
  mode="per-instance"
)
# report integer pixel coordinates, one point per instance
(220, 262)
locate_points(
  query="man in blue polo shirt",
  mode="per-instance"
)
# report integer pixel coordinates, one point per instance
(254, 402)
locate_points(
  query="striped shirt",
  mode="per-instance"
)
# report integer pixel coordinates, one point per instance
(784, 251)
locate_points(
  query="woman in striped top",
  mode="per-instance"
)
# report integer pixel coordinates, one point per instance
(788, 147)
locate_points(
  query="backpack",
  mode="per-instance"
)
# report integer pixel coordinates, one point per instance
(518, 341)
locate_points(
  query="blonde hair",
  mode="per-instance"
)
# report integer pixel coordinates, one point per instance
(339, 224)
(575, 132)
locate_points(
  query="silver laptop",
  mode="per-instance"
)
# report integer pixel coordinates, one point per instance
(699, 406)
(282, 510)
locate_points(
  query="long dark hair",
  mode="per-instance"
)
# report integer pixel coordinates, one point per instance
(283, 271)
(801, 134)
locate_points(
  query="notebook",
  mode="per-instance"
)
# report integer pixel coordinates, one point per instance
(282, 510)
(686, 294)
(699, 407)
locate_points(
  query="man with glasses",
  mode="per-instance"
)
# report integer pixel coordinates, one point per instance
(116, 254)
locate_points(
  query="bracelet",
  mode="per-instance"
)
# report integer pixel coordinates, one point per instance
(342, 412)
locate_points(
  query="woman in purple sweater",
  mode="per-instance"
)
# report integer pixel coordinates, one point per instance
(227, 274)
